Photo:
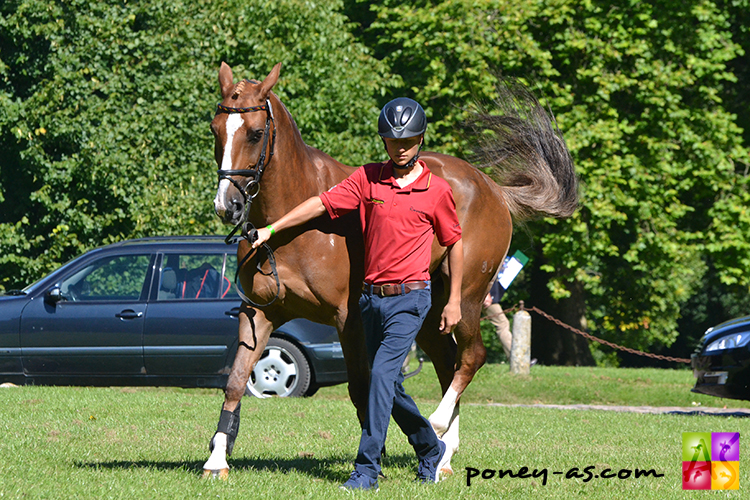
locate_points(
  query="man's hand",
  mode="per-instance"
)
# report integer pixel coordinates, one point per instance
(487, 301)
(450, 317)
(264, 234)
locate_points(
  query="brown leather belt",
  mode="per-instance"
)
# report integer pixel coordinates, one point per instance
(391, 289)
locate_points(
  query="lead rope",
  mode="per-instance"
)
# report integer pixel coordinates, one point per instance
(250, 235)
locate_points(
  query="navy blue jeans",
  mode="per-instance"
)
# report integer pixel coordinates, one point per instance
(391, 324)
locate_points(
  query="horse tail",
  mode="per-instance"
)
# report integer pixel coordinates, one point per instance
(520, 142)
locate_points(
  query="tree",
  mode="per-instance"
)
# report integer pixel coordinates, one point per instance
(636, 89)
(105, 106)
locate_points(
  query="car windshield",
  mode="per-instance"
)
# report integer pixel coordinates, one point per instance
(35, 285)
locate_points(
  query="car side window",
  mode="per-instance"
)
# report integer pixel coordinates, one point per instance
(194, 276)
(112, 278)
(229, 272)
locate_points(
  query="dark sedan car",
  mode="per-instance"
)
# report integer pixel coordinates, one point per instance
(721, 363)
(154, 311)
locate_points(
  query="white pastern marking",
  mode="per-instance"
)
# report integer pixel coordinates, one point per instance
(218, 458)
(441, 418)
(450, 438)
(233, 124)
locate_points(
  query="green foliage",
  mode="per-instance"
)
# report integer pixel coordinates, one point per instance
(104, 112)
(637, 89)
(104, 109)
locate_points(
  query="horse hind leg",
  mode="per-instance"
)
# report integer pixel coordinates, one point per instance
(455, 375)
(254, 331)
(441, 350)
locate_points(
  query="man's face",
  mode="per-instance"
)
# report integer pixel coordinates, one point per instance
(402, 151)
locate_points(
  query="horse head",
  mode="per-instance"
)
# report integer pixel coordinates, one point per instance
(244, 136)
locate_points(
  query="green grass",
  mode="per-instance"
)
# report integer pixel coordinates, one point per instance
(567, 385)
(151, 443)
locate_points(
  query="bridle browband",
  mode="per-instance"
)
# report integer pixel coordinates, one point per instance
(247, 230)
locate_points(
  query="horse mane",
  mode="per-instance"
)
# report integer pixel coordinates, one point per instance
(239, 88)
(519, 140)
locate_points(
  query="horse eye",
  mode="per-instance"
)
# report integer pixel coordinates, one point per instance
(254, 136)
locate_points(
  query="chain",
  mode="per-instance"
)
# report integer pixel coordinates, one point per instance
(520, 307)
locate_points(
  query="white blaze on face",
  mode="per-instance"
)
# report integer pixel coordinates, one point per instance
(233, 124)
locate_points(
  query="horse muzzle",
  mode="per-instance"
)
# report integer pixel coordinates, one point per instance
(230, 213)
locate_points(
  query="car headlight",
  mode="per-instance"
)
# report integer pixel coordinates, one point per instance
(729, 342)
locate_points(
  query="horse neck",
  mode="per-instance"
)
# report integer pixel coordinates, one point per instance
(290, 177)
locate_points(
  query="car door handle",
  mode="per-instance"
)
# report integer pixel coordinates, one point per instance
(233, 313)
(129, 314)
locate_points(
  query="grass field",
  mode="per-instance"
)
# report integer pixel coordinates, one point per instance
(151, 443)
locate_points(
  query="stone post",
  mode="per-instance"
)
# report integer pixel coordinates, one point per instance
(520, 350)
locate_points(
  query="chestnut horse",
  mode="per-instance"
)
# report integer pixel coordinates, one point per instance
(265, 170)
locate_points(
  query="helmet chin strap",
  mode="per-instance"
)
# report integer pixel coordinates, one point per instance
(412, 161)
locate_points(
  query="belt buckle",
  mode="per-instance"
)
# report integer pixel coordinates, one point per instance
(390, 290)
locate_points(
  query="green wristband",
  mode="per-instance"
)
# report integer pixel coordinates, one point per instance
(270, 228)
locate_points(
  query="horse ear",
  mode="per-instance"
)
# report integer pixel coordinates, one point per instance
(270, 80)
(226, 80)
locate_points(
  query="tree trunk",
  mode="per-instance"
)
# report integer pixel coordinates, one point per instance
(551, 344)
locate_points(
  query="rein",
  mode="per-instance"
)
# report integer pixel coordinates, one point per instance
(247, 231)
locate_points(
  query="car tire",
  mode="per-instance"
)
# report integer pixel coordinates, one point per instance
(282, 371)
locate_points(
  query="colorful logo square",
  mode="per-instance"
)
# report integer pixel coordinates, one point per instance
(696, 475)
(725, 475)
(710, 460)
(696, 446)
(725, 446)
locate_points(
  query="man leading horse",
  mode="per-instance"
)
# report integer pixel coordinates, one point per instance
(321, 263)
(401, 209)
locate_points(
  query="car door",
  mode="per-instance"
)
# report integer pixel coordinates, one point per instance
(96, 327)
(191, 328)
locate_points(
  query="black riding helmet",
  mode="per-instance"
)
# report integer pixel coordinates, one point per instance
(402, 118)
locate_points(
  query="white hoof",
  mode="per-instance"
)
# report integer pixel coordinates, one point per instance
(217, 465)
(445, 471)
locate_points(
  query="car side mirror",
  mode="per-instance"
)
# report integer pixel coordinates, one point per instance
(54, 295)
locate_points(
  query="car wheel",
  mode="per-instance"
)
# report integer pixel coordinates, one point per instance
(282, 371)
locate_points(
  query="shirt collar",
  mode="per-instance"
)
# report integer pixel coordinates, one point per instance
(421, 184)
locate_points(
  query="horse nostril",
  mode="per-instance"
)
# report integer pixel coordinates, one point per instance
(237, 207)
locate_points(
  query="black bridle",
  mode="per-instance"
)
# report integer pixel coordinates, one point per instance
(250, 191)
(254, 174)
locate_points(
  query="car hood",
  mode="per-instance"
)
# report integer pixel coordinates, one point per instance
(728, 327)
(5, 297)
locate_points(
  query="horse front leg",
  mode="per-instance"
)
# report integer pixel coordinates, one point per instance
(254, 332)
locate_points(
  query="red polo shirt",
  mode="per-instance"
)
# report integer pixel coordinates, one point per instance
(398, 223)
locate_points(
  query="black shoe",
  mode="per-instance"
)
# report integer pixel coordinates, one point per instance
(429, 469)
(360, 482)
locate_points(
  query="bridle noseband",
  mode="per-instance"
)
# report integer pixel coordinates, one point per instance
(250, 191)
